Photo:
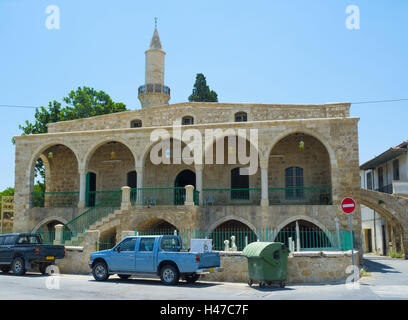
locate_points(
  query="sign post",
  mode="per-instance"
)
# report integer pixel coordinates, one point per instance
(348, 205)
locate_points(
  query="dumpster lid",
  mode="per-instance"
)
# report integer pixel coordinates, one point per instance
(261, 249)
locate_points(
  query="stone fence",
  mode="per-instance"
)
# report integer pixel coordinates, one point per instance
(303, 267)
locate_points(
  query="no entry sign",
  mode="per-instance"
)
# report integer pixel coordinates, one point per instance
(348, 205)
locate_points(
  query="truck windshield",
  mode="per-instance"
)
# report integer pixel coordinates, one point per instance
(28, 240)
(170, 244)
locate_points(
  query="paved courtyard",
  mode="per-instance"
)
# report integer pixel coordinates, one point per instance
(388, 280)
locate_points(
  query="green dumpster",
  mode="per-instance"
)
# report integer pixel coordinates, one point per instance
(267, 263)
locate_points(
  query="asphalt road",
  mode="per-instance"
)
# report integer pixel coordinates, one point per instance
(388, 280)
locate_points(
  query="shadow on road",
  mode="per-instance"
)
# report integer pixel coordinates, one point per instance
(157, 282)
(27, 275)
(375, 266)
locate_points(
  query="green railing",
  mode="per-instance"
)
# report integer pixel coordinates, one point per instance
(232, 197)
(309, 240)
(54, 199)
(96, 213)
(300, 196)
(158, 196)
(92, 198)
(106, 243)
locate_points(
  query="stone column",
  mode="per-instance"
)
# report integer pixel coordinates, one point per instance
(264, 183)
(189, 195)
(139, 191)
(199, 182)
(59, 234)
(82, 189)
(125, 205)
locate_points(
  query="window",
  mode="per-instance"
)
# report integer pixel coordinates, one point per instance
(170, 244)
(28, 240)
(395, 168)
(294, 183)
(369, 181)
(136, 123)
(2, 240)
(10, 240)
(146, 244)
(187, 120)
(380, 178)
(127, 245)
(241, 117)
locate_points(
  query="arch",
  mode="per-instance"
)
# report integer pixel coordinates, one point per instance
(275, 140)
(38, 152)
(87, 157)
(151, 144)
(301, 217)
(156, 225)
(47, 220)
(219, 222)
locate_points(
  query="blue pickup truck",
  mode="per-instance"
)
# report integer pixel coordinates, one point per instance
(153, 255)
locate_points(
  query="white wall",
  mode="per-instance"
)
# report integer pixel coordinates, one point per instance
(372, 220)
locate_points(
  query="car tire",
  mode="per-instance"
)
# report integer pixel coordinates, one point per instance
(43, 268)
(18, 266)
(100, 271)
(5, 269)
(169, 275)
(124, 276)
(192, 278)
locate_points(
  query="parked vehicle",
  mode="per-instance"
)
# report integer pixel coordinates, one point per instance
(153, 255)
(20, 252)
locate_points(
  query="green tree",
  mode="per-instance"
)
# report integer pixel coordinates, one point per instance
(202, 92)
(83, 103)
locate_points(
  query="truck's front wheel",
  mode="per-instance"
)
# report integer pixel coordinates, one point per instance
(100, 271)
(169, 275)
(18, 266)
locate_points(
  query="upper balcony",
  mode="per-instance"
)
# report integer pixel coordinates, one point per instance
(154, 88)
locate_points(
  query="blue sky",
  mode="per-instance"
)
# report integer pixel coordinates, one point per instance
(284, 51)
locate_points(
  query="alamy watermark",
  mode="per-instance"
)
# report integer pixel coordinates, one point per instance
(353, 17)
(53, 19)
(199, 149)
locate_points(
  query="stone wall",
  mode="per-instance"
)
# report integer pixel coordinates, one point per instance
(202, 113)
(303, 267)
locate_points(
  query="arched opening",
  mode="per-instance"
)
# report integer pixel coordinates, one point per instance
(311, 237)
(165, 171)
(299, 172)
(108, 167)
(232, 228)
(156, 226)
(54, 178)
(231, 175)
(241, 117)
(184, 178)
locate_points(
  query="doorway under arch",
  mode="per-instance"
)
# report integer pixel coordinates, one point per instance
(243, 235)
(184, 178)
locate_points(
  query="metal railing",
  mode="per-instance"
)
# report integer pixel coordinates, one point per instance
(154, 88)
(159, 196)
(231, 197)
(300, 196)
(54, 199)
(96, 213)
(309, 240)
(94, 197)
(385, 189)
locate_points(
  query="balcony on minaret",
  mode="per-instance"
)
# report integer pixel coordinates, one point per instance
(154, 88)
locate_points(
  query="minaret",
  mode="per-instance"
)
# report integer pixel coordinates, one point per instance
(154, 92)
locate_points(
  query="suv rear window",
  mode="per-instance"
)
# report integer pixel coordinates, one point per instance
(170, 244)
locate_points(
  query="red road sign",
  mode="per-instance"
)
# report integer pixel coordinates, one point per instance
(348, 205)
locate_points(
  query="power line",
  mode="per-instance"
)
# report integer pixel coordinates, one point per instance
(358, 102)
